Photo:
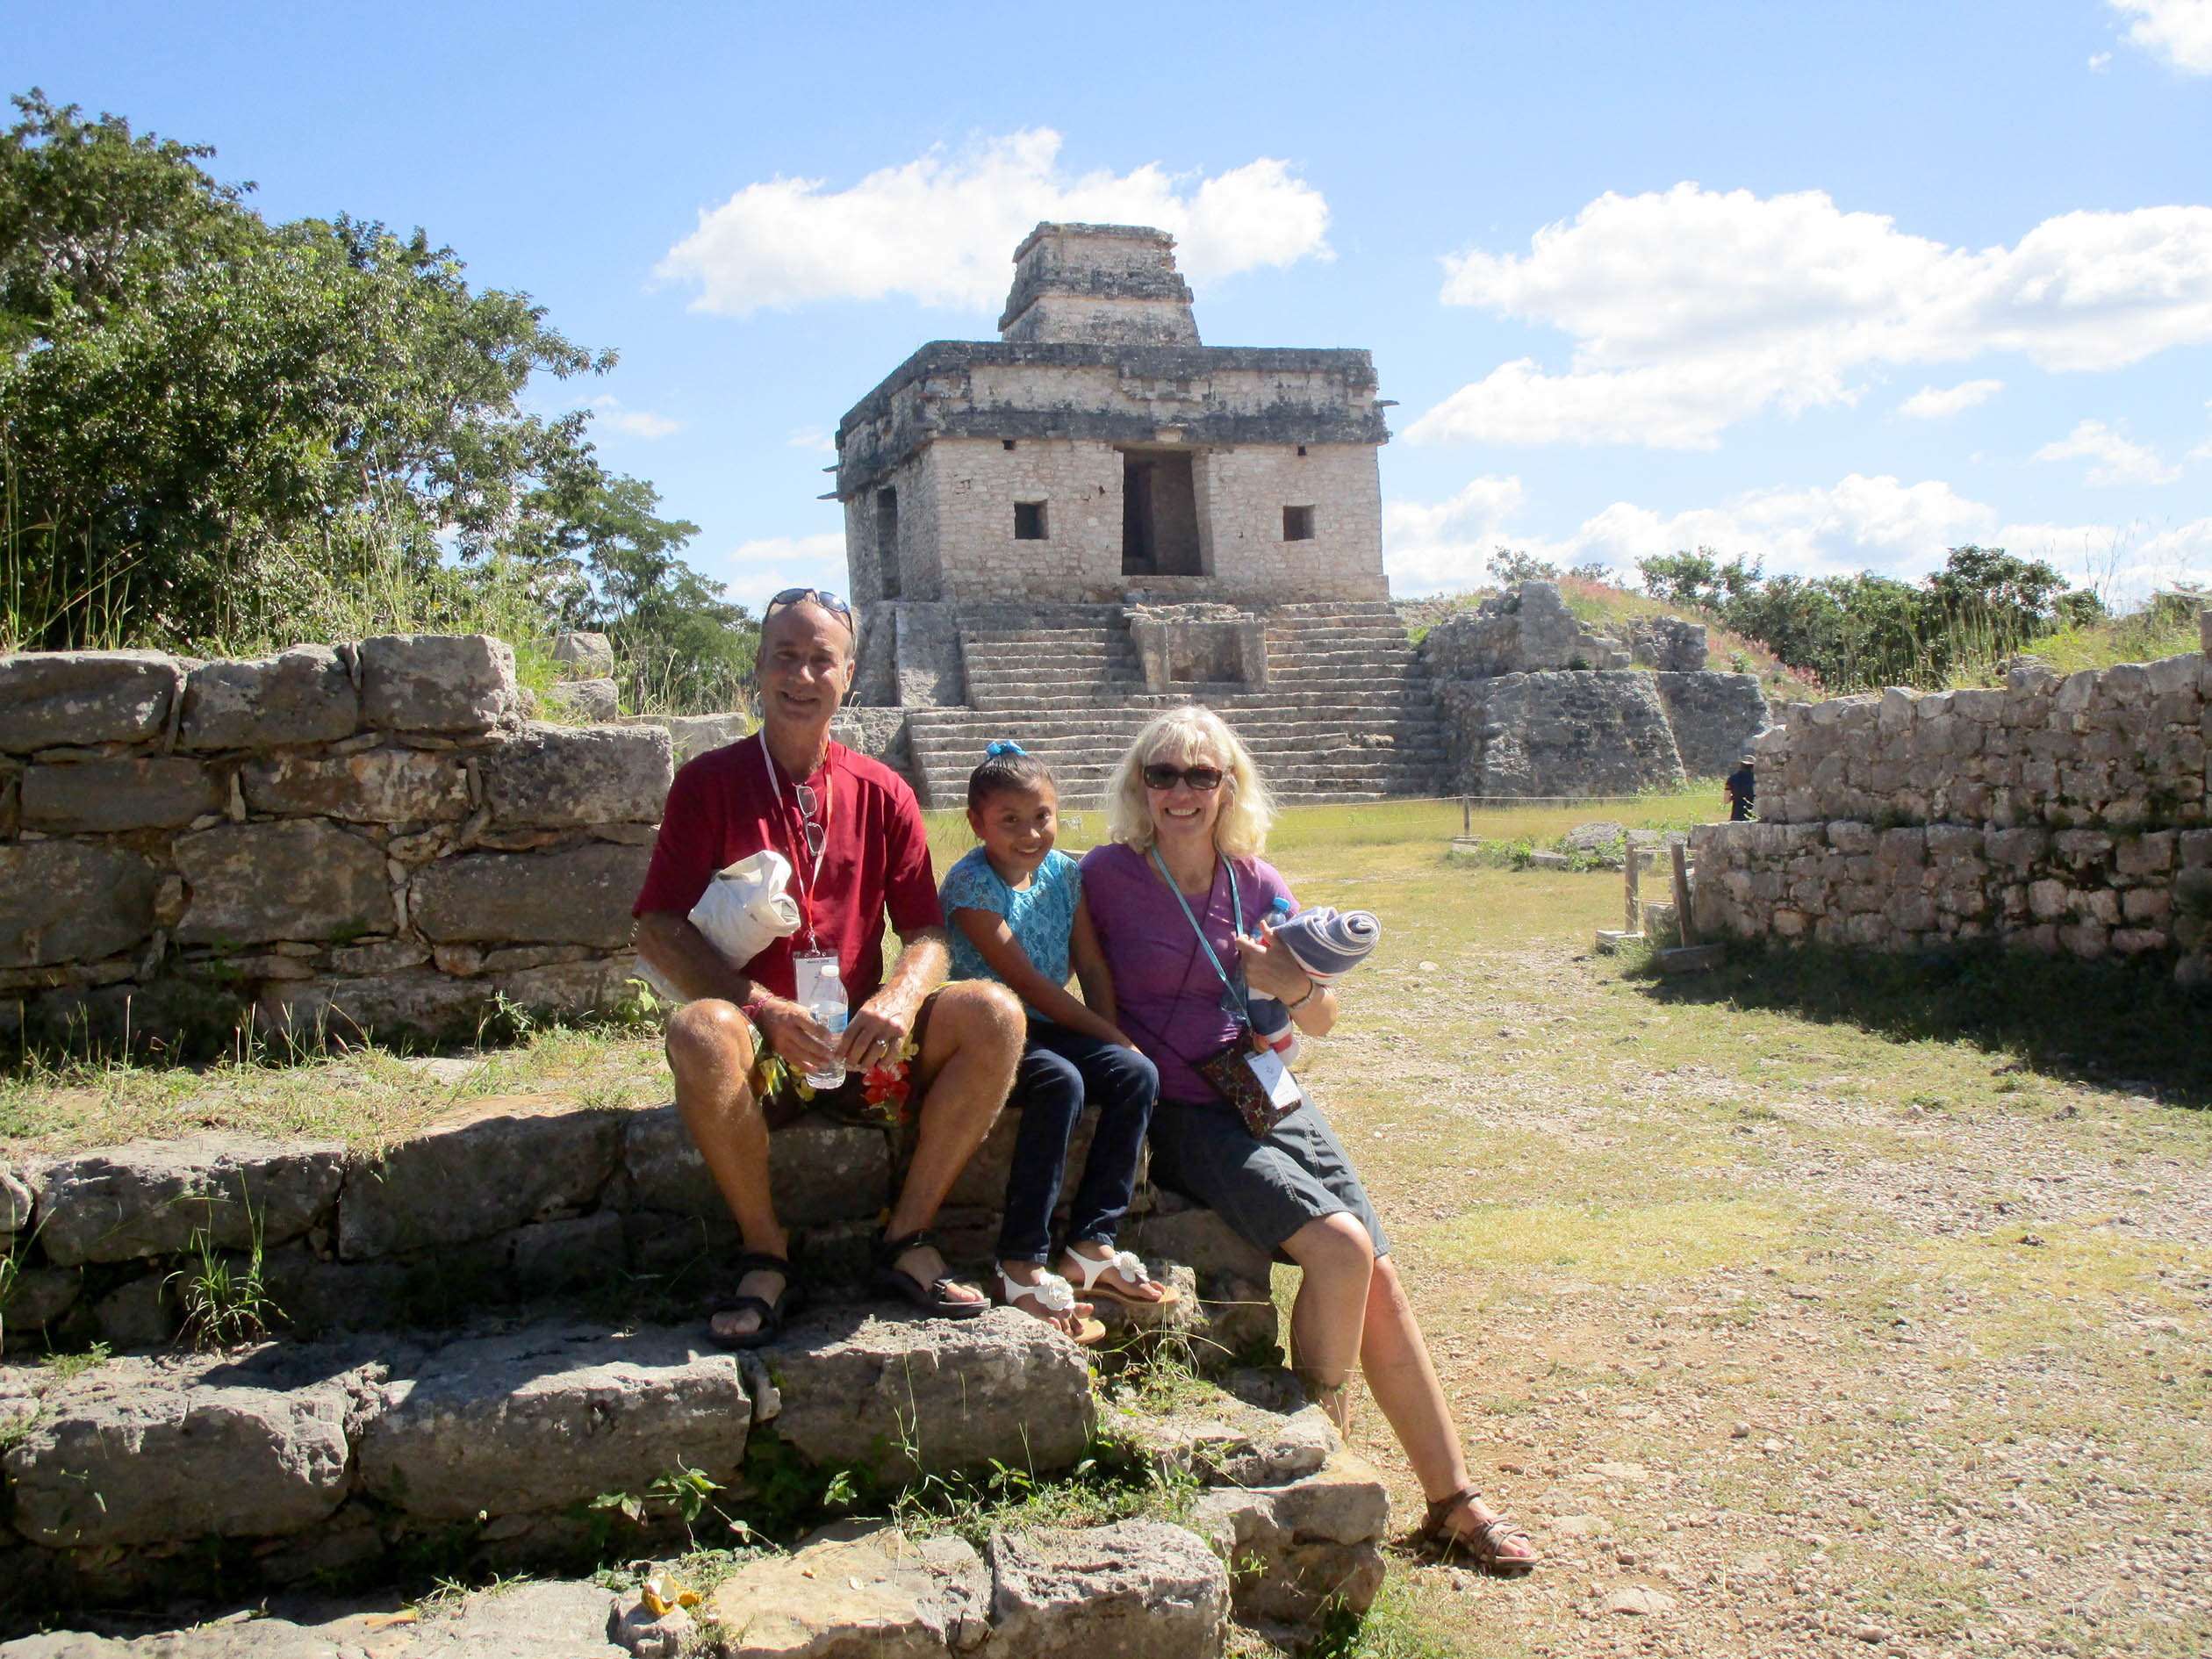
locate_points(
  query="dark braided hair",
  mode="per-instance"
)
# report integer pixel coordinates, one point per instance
(1006, 765)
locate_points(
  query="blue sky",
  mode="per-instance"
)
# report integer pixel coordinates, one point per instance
(1837, 285)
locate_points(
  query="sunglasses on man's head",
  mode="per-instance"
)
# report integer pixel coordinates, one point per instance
(821, 596)
(1202, 778)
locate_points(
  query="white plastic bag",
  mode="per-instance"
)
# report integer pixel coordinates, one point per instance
(745, 908)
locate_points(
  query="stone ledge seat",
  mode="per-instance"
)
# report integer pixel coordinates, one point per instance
(509, 1201)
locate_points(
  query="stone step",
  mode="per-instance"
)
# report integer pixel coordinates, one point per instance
(374, 1447)
(1380, 703)
(1303, 1520)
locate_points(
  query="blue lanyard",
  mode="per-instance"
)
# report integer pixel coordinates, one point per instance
(1236, 912)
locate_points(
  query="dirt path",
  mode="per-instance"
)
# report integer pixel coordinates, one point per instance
(1782, 1337)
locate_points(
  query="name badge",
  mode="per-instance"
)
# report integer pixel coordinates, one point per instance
(807, 970)
(1274, 1077)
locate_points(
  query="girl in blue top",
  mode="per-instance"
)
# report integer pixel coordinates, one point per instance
(1016, 909)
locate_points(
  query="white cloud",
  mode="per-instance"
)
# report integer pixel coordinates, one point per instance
(2099, 62)
(812, 438)
(2118, 460)
(2178, 31)
(1858, 523)
(768, 564)
(639, 423)
(1933, 403)
(943, 228)
(1691, 309)
(1444, 545)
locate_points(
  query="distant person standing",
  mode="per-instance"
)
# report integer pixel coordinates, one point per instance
(1743, 792)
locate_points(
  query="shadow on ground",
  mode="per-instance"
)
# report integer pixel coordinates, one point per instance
(2116, 1024)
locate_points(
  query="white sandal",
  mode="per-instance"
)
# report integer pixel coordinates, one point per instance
(1051, 1299)
(1132, 1270)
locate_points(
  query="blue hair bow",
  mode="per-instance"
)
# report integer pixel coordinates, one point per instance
(1002, 746)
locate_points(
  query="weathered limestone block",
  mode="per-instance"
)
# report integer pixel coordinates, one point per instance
(15, 1202)
(1670, 644)
(589, 699)
(1295, 1550)
(1178, 1231)
(133, 1452)
(553, 1256)
(438, 682)
(37, 1298)
(587, 655)
(2145, 855)
(54, 698)
(378, 786)
(556, 775)
(150, 1197)
(580, 895)
(1528, 630)
(72, 901)
(1714, 716)
(130, 1015)
(111, 795)
(906, 1394)
(254, 882)
(856, 1590)
(819, 1170)
(1560, 734)
(380, 1006)
(552, 1416)
(1134, 1590)
(1229, 1441)
(138, 1313)
(692, 735)
(303, 695)
(572, 989)
(495, 1165)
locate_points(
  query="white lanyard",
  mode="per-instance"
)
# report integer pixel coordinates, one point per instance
(813, 876)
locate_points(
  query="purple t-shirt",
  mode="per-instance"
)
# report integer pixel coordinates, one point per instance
(1169, 994)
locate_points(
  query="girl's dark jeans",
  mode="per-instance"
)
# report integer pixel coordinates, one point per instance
(1060, 1068)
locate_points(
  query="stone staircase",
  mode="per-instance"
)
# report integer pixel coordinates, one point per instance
(383, 1436)
(1348, 712)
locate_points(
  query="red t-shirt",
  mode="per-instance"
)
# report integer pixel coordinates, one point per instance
(875, 857)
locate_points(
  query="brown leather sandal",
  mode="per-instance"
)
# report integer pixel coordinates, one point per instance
(1485, 1546)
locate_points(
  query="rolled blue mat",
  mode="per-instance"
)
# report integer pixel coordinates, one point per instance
(1327, 941)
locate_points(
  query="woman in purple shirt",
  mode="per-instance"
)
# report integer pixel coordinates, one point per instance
(1189, 816)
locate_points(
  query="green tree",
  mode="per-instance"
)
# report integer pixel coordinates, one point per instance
(215, 432)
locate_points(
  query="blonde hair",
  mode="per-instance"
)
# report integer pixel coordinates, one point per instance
(1241, 831)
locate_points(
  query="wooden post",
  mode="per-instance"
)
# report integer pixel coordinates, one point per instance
(1634, 903)
(1683, 924)
(1467, 816)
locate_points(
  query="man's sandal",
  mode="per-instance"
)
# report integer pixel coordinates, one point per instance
(1485, 1546)
(1088, 1270)
(1050, 1301)
(884, 1274)
(788, 1300)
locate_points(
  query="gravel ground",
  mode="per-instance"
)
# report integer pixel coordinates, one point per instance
(1780, 1337)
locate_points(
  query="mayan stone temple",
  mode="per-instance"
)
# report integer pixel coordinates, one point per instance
(1053, 534)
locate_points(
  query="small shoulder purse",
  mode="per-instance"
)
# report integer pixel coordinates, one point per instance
(1258, 1085)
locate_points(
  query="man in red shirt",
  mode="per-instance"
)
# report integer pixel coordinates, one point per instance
(854, 835)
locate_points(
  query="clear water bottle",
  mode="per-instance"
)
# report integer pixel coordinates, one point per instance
(830, 1012)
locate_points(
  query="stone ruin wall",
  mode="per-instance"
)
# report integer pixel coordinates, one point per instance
(2056, 813)
(340, 839)
(1535, 703)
